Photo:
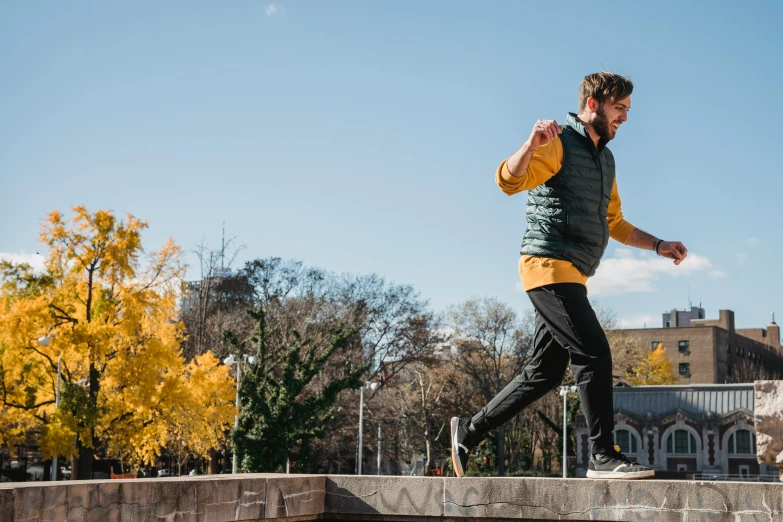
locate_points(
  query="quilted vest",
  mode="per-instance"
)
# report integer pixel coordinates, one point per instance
(566, 215)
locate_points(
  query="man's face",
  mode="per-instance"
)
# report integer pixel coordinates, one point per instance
(609, 116)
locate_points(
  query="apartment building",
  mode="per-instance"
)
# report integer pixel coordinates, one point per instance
(713, 351)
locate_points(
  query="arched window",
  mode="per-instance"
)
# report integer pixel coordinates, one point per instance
(681, 442)
(742, 442)
(626, 441)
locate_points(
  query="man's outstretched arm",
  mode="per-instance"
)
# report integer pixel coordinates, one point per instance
(671, 249)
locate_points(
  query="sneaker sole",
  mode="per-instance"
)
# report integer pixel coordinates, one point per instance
(630, 475)
(454, 457)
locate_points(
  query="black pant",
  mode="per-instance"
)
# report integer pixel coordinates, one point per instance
(566, 325)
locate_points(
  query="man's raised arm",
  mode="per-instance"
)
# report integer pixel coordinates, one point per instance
(537, 160)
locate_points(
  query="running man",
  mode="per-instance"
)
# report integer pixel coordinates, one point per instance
(573, 207)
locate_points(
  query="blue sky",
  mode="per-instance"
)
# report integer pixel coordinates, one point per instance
(363, 136)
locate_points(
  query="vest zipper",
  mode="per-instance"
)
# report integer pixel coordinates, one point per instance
(600, 202)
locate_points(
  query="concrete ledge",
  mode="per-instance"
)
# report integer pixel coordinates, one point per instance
(373, 495)
(7, 505)
(255, 497)
(294, 496)
(583, 499)
(209, 498)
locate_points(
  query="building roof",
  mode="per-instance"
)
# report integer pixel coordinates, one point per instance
(696, 399)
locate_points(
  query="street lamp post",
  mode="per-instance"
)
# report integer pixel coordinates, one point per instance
(379, 448)
(230, 361)
(373, 386)
(564, 393)
(57, 406)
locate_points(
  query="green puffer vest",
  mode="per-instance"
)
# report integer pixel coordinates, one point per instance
(566, 215)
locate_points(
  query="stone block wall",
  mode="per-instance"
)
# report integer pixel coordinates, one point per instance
(298, 498)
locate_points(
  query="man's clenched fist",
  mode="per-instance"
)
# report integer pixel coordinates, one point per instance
(544, 131)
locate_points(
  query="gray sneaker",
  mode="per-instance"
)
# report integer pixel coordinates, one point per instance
(615, 465)
(459, 445)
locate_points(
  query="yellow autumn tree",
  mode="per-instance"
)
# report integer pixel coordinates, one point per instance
(107, 312)
(205, 380)
(654, 368)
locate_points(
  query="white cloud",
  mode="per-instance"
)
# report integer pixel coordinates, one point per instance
(627, 273)
(36, 261)
(741, 258)
(753, 241)
(271, 9)
(639, 321)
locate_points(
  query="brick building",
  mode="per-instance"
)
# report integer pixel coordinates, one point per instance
(713, 351)
(682, 431)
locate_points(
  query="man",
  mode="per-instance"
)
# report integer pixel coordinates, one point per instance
(573, 207)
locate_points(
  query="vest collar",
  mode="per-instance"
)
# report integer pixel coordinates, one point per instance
(573, 121)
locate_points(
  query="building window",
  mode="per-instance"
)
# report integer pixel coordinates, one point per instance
(685, 368)
(668, 324)
(684, 347)
(742, 442)
(655, 344)
(681, 443)
(728, 349)
(738, 351)
(626, 441)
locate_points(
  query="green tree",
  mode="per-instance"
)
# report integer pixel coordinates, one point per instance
(280, 413)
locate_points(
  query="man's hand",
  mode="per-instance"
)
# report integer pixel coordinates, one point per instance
(543, 132)
(673, 250)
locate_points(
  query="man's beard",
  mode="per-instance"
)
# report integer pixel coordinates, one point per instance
(601, 124)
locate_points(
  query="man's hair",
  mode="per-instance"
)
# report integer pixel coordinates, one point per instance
(604, 86)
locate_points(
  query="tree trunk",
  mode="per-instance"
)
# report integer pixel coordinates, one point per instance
(212, 469)
(83, 469)
(87, 455)
(501, 451)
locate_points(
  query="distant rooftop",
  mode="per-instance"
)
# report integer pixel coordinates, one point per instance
(696, 399)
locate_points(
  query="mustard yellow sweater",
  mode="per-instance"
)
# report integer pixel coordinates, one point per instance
(545, 163)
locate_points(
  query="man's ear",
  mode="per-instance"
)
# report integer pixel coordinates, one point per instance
(592, 104)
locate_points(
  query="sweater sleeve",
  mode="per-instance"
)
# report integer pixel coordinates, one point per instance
(619, 228)
(545, 163)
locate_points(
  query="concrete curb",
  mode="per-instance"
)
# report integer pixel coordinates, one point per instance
(250, 497)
